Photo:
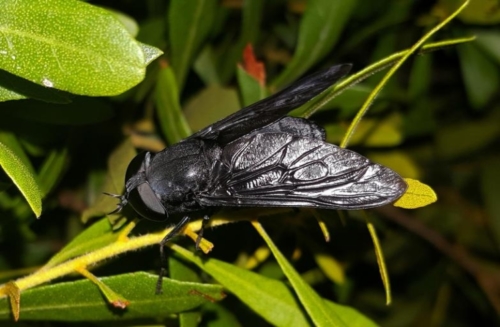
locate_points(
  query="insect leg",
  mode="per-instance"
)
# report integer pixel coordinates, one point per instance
(177, 228)
(206, 218)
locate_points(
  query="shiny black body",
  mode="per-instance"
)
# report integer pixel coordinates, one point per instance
(259, 157)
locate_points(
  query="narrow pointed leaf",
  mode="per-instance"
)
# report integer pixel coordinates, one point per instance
(481, 75)
(22, 177)
(168, 108)
(270, 298)
(189, 25)
(52, 169)
(315, 306)
(94, 237)
(320, 29)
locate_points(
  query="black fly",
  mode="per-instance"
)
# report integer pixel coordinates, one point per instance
(258, 157)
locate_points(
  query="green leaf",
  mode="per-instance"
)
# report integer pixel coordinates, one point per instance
(12, 142)
(251, 90)
(13, 87)
(490, 179)
(52, 169)
(270, 298)
(7, 95)
(127, 21)
(189, 319)
(82, 300)
(370, 132)
(210, 105)
(189, 25)
(94, 237)
(489, 41)
(22, 177)
(219, 316)
(420, 77)
(180, 271)
(461, 139)
(398, 161)
(315, 306)
(206, 67)
(352, 316)
(168, 108)
(115, 181)
(252, 16)
(83, 49)
(348, 101)
(481, 75)
(320, 29)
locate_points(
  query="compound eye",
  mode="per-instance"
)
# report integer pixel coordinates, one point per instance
(149, 198)
(146, 204)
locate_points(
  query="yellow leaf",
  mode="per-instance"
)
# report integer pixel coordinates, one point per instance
(330, 267)
(417, 195)
(370, 132)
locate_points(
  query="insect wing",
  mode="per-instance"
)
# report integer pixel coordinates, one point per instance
(283, 170)
(272, 108)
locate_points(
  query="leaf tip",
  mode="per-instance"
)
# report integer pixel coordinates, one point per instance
(417, 195)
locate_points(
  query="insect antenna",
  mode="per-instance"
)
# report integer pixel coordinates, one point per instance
(121, 205)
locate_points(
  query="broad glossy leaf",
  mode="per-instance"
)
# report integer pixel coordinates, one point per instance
(83, 49)
(320, 29)
(13, 87)
(168, 108)
(190, 23)
(481, 75)
(82, 300)
(127, 21)
(22, 177)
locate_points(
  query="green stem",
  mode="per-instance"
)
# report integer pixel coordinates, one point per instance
(391, 72)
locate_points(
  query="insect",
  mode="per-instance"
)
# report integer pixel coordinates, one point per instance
(258, 157)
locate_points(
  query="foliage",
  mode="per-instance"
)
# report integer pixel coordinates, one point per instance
(81, 88)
